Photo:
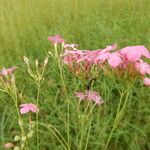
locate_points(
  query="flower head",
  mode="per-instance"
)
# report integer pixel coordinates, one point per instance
(134, 53)
(25, 108)
(8, 71)
(89, 96)
(56, 39)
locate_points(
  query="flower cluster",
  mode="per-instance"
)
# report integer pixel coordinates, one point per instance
(89, 96)
(129, 59)
(82, 62)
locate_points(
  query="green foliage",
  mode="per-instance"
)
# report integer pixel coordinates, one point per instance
(24, 28)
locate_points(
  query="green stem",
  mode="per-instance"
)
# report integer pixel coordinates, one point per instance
(37, 115)
(60, 138)
(118, 116)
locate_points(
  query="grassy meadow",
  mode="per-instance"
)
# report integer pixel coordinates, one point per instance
(93, 24)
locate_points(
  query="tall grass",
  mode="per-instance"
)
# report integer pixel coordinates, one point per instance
(24, 28)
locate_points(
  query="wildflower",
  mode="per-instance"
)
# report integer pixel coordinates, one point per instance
(80, 95)
(147, 81)
(90, 96)
(25, 108)
(142, 67)
(8, 71)
(134, 53)
(9, 145)
(56, 39)
(114, 60)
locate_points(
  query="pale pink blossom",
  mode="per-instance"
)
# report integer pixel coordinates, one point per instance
(89, 96)
(142, 67)
(104, 54)
(80, 95)
(9, 145)
(147, 81)
(134, 53)
(5, 72)
(25, 108)
(114, 60)
(56, 39)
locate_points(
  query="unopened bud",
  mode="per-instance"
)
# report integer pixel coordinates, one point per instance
(29, 135)
(16, 148)
(46, 61)
(22, 146)
(20, 122)
(26, 60)
(12, 79)
(8, 145)
(16, 138)
(36, 62)
(24, 138)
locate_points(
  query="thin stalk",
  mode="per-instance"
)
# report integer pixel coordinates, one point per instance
(63, 84)
(118, 116)
(58, 138)
(88, 134)
(37, 116)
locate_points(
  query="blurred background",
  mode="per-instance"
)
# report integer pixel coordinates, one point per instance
(25, 25)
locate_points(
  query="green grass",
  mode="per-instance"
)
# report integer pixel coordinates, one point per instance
(24, 28)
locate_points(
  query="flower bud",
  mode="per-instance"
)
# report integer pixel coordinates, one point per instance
(46, 61)
(20, 122)
(26, 60)
(16, 138)
(16, 148)
(36, 62)
(12, 79)
(29, 135)
(22, 146)
(24, 138)
(9, 145)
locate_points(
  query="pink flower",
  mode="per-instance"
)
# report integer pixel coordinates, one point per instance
(147, 81)
(90, 96)
(114, 60)
(134, 53)
(56, 39)
(9, 145)
(142, 67)
(8, 71)
(25, 108)
(104, 54)
(80, 95)
(94, 96)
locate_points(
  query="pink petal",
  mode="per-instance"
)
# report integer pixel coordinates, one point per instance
(33, 108)
(80, 95)
(147, 81)
(114, 60)
(24, 109)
